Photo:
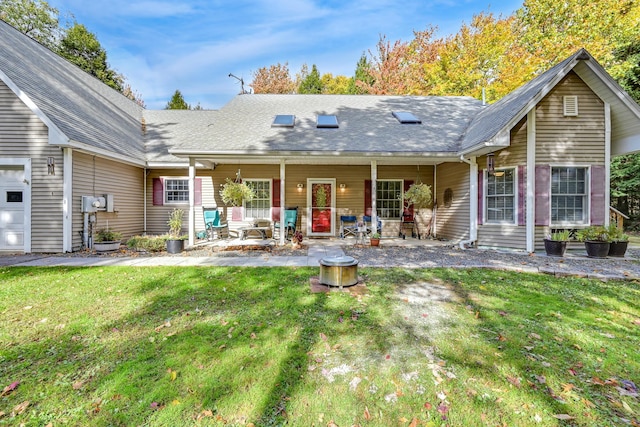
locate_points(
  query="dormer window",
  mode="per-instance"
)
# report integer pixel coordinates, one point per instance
(284, 121)
(570, 105)
(405, 117)
(324, 121)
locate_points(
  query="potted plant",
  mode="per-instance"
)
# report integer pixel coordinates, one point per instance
(106, 240)
(234, 193)
(556, 243)
(175, 242)
(375, 239)
(419, 196)
(618, 241)
(596, 241)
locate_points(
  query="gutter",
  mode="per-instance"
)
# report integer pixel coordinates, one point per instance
(473, 203)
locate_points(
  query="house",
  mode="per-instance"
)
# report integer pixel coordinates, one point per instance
(76, 156)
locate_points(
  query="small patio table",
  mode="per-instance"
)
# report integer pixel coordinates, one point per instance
(245, 231)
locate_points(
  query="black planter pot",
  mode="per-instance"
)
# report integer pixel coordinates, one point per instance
(597, 249)
(175, 246)
(618, 249)
(555, 247)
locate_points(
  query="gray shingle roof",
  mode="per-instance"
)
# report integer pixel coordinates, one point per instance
(168, 128)
(81, 106)
(366, 125)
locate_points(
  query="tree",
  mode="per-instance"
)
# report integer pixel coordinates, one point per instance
(273, 79)
(35, 18)
(388, 71)
(337, 85)
(311, 83)
(177, 102)
(362, 77)
(82, 48)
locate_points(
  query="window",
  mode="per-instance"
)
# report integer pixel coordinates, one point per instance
(389, 199)
(326, 121)
(405, 117)
(284, 120)
(568, 195)
(14, 196)
(260, 206)
(501, 196)
(176, 190)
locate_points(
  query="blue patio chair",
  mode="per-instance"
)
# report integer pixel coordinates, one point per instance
(290, 221)
(348, 226)
(213, 224)
(369, 226)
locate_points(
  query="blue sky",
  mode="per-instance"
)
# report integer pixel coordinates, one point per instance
(164, 45)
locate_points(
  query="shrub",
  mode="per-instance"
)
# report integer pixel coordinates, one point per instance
(148, 243)
(106, 235)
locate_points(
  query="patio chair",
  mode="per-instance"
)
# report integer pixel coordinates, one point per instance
(369, 226)
(348, 226)
(290, 221)
(408, 222)
(213, 224)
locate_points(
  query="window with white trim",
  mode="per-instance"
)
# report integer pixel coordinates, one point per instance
(501, 196)
(176, 190)
(389, 198)
(260, 206)
(569, 195)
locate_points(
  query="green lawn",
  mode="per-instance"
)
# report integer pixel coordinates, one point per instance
(173, 346)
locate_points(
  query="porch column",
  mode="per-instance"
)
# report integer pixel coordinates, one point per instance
(282, 201)
(67, 197)
(192, 197)
(530, 225)
(473, 205)
(374, 204)
(607, 161)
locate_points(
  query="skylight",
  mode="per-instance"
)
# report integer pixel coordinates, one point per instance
(327, 121)
(405, 117)
(284, 121)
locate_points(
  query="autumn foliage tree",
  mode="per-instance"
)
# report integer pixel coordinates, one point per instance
(273, 79)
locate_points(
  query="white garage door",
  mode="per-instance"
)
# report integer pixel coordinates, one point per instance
(12, 203)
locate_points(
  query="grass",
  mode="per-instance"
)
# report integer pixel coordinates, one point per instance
(230, 346)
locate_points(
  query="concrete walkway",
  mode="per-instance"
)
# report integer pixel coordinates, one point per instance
(410, 254)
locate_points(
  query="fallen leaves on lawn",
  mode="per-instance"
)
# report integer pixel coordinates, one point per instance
(564, 417)
(10, 388)
(166, 324)
(20, 408)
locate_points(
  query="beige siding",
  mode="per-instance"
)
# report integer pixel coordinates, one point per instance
(506, 235)
(502, 236)
(349, 202)
(566, 140)
(22, 134)
(95, 176)
(453, 221)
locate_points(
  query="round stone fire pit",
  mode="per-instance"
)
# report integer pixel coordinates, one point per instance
(339, 271)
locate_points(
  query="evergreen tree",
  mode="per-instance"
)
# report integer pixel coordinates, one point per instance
(362, 78)
(177, 102)
(311, 84)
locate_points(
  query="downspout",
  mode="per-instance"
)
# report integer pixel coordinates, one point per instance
(282, 201)
(144, 202)
(67, 205)
(192, 197)
(434, 215)
(473, 202)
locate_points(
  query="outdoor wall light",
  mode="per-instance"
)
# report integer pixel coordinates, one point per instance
(51, 166)
(343, 187)
(491, 167)
(300, 186)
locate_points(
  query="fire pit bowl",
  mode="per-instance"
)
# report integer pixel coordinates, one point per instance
(339, 271)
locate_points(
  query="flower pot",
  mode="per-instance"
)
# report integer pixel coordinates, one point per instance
(618, 249)
(106, 246)
(555, 247)
(375, 242)
(596, 249)
(175, 246)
